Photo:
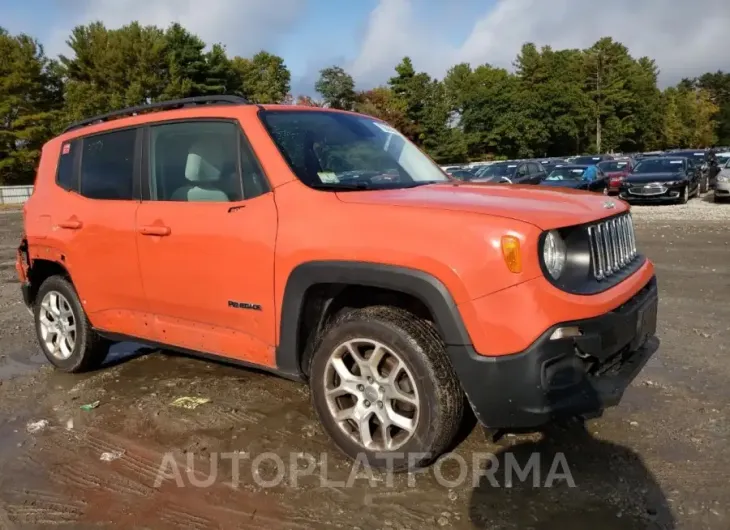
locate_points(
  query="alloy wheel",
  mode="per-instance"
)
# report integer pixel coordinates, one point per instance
(371, 394)
(58, 325)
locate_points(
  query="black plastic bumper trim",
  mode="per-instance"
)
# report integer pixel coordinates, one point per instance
(564, 377)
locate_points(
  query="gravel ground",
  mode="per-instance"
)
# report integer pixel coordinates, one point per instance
(699, 209)
(657, 461)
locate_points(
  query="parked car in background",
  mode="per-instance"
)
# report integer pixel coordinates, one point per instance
(585, 160)
(549, 164)
(700, 158)
(661, 179)
(616, 171)
(462, 174)
(511, 173)
(578, 177)
(722, 181)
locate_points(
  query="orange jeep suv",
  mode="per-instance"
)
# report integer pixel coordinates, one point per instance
(325, 247)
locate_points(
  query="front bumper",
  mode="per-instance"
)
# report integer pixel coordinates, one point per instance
(563, 377)
(722, 189)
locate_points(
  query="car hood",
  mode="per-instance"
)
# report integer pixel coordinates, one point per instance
(565, 183)
(640, 178)
(540, 206)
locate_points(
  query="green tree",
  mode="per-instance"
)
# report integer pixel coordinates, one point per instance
(29, 101)
(336, 87)
(608, 67)
(264, 78)
(717, 85)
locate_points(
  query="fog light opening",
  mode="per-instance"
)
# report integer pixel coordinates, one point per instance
(566, 332)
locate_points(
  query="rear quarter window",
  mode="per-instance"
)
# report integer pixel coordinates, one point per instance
(66, 176)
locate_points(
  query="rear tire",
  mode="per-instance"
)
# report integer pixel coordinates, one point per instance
(410, 388)
(64, 333)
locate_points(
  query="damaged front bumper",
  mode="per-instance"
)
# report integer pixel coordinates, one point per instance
(564, 376)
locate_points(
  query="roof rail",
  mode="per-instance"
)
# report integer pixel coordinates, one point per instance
(160, 105)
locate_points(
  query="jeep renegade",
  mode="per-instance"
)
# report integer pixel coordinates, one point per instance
(323, 246)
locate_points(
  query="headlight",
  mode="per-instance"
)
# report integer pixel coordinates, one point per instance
(723, 178)
(673, 182)
(554, 254)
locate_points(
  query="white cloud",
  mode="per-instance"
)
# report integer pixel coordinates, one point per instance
(244, 26)
(393, 31)
(685, 38)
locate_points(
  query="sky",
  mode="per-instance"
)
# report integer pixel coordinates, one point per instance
(369, 37)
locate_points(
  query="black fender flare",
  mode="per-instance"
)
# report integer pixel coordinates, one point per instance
(421, 285)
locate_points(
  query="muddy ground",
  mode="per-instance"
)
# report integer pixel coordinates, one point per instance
(659, 460)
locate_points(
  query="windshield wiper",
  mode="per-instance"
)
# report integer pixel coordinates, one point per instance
(341, 187)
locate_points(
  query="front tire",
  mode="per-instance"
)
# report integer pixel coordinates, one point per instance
(383, 387)
(64, 333)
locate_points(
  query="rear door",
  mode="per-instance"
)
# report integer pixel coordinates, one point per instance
(206, 231)
(93, 223)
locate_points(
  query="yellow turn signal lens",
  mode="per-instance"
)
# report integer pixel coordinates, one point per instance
(511, 253)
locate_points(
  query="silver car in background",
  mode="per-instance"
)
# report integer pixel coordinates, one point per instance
(722, 182)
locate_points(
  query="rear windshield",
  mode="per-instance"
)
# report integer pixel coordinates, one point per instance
(335, 150)
(613, 165)
(589, 160)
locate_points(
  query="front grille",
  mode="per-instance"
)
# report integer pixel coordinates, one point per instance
(647, 190)
(613, 245)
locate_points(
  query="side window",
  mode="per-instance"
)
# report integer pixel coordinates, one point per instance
(522, 170)
(66, 176)
(195, 161)
(107, 165)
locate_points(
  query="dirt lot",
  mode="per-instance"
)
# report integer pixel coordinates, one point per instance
(660, 460)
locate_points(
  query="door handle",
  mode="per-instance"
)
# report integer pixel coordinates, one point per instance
(71, 224)
(155, 230)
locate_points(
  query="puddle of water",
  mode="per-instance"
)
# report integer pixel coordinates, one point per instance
(17, 363)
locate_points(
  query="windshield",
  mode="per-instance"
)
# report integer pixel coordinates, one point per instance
(660, 165)
(723, 160)
(497, 170)
(590, 160)
(334, 150)
(614, 165)
(566, 173)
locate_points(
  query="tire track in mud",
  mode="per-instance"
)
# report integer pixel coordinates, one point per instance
(38, 507)
(122, 493)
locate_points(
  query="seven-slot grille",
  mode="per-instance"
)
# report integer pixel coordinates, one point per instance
(613, 245)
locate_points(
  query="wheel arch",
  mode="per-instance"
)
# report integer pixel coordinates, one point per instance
(334, 277)
(42, 269)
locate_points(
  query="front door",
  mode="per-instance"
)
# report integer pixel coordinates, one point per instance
(206, 241)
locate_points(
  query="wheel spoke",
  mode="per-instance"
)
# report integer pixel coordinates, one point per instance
(375, 359)
(54, 303)
(366, 435)
(397, 394)
(343, 371)
(344, 414)
(400, 421)
(361, 362)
